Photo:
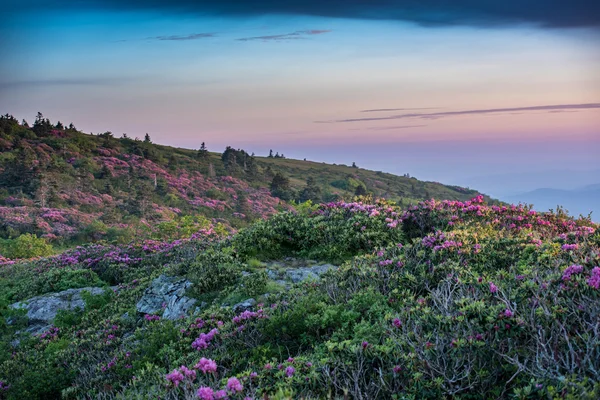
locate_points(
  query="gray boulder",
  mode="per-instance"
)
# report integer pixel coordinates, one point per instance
(246, 305)
(167, 294)
(42, 310)
(297, 275)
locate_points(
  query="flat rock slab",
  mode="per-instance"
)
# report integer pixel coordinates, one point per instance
(308, 273)
(246, 305)
(166, 295)
(296, 271)
(42, 310)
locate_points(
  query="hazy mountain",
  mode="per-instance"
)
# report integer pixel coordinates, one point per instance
(577, 201)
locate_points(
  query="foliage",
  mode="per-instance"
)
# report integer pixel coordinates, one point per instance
(26, 246)
(443, 299)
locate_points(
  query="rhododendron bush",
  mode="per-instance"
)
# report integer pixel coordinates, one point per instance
(444, 299)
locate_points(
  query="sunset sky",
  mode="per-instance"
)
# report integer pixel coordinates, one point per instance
(446, 91)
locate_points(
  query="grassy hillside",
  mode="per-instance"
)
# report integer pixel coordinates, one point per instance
(69, 187)
(461, 300)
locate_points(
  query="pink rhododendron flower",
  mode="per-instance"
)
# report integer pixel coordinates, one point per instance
(234, 385)
(175, 377)
(205, 393)
(220, 394)
(206, 365)
(594, 280)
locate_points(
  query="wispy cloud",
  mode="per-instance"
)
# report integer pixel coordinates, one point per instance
(386, 128)
(436, 115)
(193, 36)
(67, 82)
(400, 109)
(287, 36)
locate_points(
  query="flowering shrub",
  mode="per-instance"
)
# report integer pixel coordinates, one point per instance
(444, 299)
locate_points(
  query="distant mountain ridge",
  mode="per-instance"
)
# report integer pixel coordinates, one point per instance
(578, 201)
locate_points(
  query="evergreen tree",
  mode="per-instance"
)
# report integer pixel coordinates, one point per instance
(243, 206)
(203, 151)
(270, 153)
(280, 187)
(311, 192)
(360, 191)
(147, 139)
(41, 126)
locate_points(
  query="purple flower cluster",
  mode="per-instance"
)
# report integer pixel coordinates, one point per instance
(570, 271)
(204, 339)
(568, 247)
(594, 279)
(206, 365)
(248, 315)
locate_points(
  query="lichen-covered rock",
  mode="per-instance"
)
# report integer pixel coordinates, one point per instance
(167, 294)
(42, 310)
(297, 275)
(246, 305)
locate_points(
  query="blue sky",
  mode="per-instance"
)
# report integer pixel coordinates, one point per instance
(263, 75)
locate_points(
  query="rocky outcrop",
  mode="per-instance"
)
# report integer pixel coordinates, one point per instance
(42, 310)
(307, 273)
(246, 305)
(166, 295)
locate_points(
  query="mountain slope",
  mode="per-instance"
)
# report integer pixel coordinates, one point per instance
(69, 186)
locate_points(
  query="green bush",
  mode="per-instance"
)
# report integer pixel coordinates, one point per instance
(26, 246)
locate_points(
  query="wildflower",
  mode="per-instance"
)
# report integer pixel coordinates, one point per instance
(397, 323)
(594, 280)
(508, 313)
(568, 247)
(175, 377)
(289, 371)
(234, 385)
(493, 288)
(397, 369)
(290, 360)
(206, 365)
(188, 373)
(571, 270)
(365, 344)
(205, 393)
(220, 394)
(268, 366)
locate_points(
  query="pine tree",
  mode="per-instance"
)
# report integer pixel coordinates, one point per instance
(270, 153)
(360, 191)
(311, 192)
(147, 139)
(280, 186)
(203, 151)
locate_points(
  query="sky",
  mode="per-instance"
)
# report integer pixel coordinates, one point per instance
(459, 92)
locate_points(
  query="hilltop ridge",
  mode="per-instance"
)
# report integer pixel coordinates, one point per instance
(71, 187)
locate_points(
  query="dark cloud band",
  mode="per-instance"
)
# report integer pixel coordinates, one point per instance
(546, 13)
